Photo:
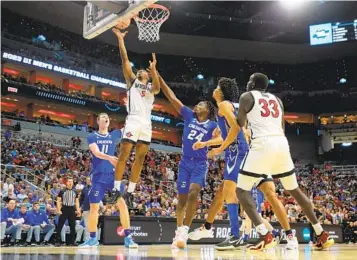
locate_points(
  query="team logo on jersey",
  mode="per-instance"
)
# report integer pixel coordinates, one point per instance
(183, 184)
(96, 194)
(129, 134)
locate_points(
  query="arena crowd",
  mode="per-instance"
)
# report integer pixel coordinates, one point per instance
(48, 166)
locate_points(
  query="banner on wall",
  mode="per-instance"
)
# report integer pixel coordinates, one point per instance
(162, 230)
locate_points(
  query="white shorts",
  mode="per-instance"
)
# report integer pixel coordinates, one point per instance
(137, 130)
(268, 156)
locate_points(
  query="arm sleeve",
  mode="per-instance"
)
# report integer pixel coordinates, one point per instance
(186, 113)
(90, 139)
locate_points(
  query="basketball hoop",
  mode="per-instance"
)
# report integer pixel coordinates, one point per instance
(149, 21)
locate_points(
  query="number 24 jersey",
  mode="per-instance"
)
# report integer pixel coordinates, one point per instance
(195, 131)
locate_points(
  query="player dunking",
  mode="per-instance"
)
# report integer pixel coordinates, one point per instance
(194, 163)
(102, 145)
(269, 153)
(137, 131)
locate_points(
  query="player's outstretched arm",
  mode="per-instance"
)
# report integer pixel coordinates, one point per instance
(215, 140)
(170, 95)
(225, 109)
(127, 70)
(154, 75)
(93, 147)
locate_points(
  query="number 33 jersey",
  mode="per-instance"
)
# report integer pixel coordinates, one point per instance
(265, 117)
(102, 170)
(195, 131)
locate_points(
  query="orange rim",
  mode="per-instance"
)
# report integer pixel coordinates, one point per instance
(154, 21)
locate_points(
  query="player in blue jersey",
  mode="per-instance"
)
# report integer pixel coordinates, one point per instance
(198, 126)
(226, 94)
(102, 145)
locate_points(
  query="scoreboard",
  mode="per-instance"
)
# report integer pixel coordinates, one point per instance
(333, 32)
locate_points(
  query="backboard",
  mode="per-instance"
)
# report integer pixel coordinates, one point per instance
(100, 16)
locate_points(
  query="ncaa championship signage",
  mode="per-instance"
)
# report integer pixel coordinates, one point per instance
(149, 230)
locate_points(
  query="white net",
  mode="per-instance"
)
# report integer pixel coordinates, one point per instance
(149, 21)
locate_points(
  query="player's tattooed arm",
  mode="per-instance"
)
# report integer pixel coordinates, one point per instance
(246, 102)
(154, 75)
(170, 95)
(216, 140)
(93, 147)
(127, 70)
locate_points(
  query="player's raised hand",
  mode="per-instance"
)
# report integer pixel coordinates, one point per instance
(153, 62)
(214, 152)
(118, 33)
(198, 145)
(113, 160)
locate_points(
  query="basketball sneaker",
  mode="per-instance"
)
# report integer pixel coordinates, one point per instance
(200, 233)
(231, 243)
(129, 242)
(90, 242)
(264, 242)
(181, 237)
(114, 195)
(324, 241)
(292, 242)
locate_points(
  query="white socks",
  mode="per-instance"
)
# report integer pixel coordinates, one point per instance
(262, 229)
(183, 229)
(318, 229)
(131, 187)
(117, 185)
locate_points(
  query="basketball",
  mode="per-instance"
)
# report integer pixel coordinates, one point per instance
(123, 24)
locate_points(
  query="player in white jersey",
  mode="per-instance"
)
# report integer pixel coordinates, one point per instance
(269, 154)
(137, 130)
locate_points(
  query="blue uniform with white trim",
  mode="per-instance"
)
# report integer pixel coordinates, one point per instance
(258, 197)
(235, 152)
(102, 171)
(194, 164)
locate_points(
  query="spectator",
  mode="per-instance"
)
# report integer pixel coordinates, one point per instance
(21, 196)
(40, 223)
(27, 224)
(79, 232)
(84, 202)
(11, 223)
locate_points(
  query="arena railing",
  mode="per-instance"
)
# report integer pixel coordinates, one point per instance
(27, 175)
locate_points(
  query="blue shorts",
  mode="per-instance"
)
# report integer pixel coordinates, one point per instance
(232, 168)
(191, 170)
(97, 191)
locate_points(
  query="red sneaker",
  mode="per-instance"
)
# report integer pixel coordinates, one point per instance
(264, 242)
(324, 241)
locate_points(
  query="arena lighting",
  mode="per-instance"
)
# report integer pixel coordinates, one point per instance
(105, 94)
(11, 71)
(343, 81)
(6, 104)
(200, 76)
(74, 86)
(271, 82)
(346, 144)
(54, 113)
(292, 4)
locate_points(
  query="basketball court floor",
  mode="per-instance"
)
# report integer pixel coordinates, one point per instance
(203, 252)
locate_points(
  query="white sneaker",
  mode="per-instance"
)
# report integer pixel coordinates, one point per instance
(200, 233)
(292, 244)
(181, 238)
